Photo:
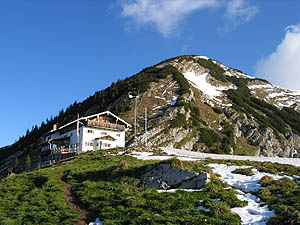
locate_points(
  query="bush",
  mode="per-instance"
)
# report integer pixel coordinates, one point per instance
(215, 70)
(179, 121)
(209, 137)
(266, 181)
(245, 171)
(218, 110)
(220, 210)
(175, 163)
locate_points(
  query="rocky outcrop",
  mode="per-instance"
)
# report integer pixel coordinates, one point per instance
(164, 177)
(261, 136)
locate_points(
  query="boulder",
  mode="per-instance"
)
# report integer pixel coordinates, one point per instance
(196, 183)
(165, 177)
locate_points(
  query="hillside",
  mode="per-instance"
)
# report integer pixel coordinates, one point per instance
(193, 103)
(107, 185)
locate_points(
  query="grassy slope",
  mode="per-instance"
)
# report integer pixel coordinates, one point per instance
(109, 186)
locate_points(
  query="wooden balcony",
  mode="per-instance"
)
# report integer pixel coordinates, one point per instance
(63, 150)
(106, 125)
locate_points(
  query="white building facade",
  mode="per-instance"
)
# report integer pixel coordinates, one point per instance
(99, 131)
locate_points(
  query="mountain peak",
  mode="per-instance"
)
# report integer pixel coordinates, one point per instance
(192, 102)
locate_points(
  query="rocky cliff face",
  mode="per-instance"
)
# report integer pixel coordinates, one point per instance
(219, 121)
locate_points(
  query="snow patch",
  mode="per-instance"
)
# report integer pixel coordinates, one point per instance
(157, 107)
(157, 97)
(203, 57)
(186, 155)
(239, 181)
(201, 83)
(190, 155)
(174, 190)
(260, 86)
(253, 213)
(97, 222)
(173, 101)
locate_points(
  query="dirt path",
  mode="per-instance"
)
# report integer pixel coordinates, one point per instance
(85, 216)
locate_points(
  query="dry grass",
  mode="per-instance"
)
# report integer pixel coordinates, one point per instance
(243, 148)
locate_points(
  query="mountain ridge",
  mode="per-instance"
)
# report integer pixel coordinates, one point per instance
(224, 112)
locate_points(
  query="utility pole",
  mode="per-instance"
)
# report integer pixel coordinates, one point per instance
(146, 139)
(135, 115)
(135, 112)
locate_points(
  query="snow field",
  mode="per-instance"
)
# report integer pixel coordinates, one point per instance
(200, 82)
(189, 155)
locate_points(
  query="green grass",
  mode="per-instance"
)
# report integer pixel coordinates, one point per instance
(120, 198)
(283, 196)
(34, 198)
(110, 187)
(243, 148)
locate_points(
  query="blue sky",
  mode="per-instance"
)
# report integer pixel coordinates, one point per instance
(53, 52)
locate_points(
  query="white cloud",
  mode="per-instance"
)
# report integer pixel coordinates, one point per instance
(166, 15)
(283, 66)
(239, 12)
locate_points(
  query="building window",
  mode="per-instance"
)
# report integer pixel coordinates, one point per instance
(90, 131)
(106, 145)
(88, 144)
(103, 133)
(118, 135)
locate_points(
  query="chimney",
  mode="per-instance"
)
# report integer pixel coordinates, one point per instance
(54, 126)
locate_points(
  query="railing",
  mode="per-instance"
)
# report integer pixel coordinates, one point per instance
(106, 125)
(64, 149)
(46, 163)
(45, 148)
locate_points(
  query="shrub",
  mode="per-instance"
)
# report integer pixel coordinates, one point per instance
(175, 163)
(266, 181)
(209, 137)
(218, 110)
(179, 121)
(245, 171)
(124, 165)
(215, 70)
(220, 210)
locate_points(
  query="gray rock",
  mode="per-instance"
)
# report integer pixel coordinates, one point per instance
(164, 177)
(196, 183)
